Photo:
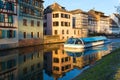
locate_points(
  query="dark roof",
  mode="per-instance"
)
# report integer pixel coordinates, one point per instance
(54, 7)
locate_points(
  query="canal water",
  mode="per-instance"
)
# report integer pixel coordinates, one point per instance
(50, 62)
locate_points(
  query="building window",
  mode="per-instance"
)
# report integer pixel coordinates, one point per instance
(24, 22)
(38, 23)
(62, 37)
(62, 15)
(78, 32)
(32, 56)
(38, 35)
(24, 58)
(55, 68)
(62, 31)
(55, 15)
(66, 59)
(67, 32)
(56, 52)
(62, 23)
(74, 22)
(45, 25)
(38, 65)
(32, 11)
(74, 31)
(62, 60)
(55, 23)
(55, 32)
(25, 70)
(56, 60)
(31, 34)
(11, 34)
(32, 68)
(32, 23)
(63, 68)
(9, 6)
(24, 34)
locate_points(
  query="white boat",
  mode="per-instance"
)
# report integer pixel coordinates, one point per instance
(79, 44)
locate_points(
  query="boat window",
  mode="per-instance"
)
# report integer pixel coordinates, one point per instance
(78, 42)
(70, 41)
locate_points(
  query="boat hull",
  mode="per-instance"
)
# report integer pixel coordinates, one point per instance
(80, 47)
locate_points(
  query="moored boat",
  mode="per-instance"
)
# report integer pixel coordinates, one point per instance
(81, 43)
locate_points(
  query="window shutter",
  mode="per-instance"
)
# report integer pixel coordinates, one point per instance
(14, 34)
(10, 18)
(1, 4)
(3, 33)
(2, 17)
(8, 34)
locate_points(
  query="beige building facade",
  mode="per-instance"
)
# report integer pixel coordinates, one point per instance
(101, 21)
(59, 21)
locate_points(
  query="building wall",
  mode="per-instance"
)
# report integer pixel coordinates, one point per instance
(65, 25)
(30, 24)
(104, 25)
(64, 31)
(48, 24)
(62, 62)
(8, 24)
(80, 25)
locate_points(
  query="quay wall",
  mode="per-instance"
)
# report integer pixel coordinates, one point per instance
(32, 42)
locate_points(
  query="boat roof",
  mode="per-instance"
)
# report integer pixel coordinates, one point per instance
(92, 39)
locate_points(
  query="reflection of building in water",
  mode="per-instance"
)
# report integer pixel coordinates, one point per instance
(57, 62)
(89, 57)
(21, 64)
(8, 65)
(30, 64)
(106, 50)
(84, 60)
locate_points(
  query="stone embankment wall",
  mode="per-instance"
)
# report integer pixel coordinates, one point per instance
(31, 42)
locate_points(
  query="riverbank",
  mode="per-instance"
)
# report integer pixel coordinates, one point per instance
(107, 68)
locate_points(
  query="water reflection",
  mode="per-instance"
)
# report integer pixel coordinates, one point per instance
(48, 62)
(62, 65)
(22, 64)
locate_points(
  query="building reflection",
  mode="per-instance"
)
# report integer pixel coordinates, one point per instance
(34, 63)
(30, 64)
(89, 56)
(8, 65)
(22, 64)
(57, 62)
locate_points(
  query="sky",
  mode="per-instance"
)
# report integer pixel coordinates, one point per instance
(106, 6)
